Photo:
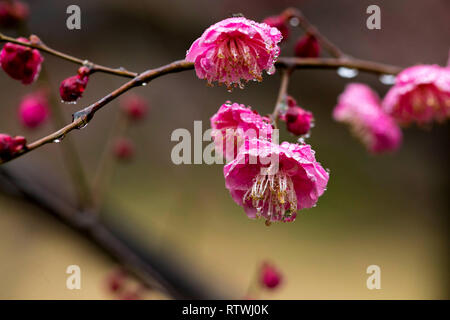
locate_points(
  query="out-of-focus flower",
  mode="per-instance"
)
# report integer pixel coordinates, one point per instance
(233, 123)
(10, 145)
(34, 109)
(307, 47)
(134, 107)
(235, 49)
(116, 280)
(275, 181)
(20, 62)
(280, 23)
(421, 94)
(298, 121)
(72, 88)
(123, 149)
(270, 276)
(360, 107)
(12, 13)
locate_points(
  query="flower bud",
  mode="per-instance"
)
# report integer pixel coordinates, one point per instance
(134, 107)
(12, 13)
(123, 149)
(307, 47)
(116, 280)
(10, 145)
(298, 121)
(270, 276)
(33, 109)
(72, 88)
(280, 23)
(20, 62)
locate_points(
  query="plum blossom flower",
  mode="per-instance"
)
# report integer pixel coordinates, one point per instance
(307, 47)
(123, 149)
(235, 49)
(270, 276)
(34, 109)
(360, 107)
(10, 145)
(421, 94)
(298, 121)
(275, 181)
(233, 123)
(280, 23)
(20, 62)
(72, 88)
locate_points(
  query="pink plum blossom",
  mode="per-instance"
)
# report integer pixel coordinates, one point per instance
(360, 107)
(20, 62)
(235, 49)
(34, 109)
(72, 88)
(275, 181)
(421, 94)
(298, 121)
(233, 123)
(10, 145)
(134, 107)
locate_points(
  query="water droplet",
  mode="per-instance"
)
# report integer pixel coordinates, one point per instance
(347, 72)
(294, 22)
(69, 102)
(144, 84)
(84, 115)
(388, 79)
(228, 103)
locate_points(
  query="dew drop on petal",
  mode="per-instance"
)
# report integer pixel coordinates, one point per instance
(347, 72)
(271, 70)
(387, 79)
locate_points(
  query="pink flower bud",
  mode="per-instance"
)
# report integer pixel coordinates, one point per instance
(12, 13)
(307, 47)
(34, 109)
(123, 149)
(72, 88)
(20, 62)
(298, 120)
(270, 276)
(135, 107)
(10, 145)
(278, 22)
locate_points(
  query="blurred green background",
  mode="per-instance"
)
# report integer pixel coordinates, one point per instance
(389, 210)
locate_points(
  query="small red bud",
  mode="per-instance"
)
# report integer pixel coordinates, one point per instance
(270, 276)
(12, 13)
(280, 23)
(135, 107)
(34, 109)
(116, 280)
(123, 149)
(307, 47)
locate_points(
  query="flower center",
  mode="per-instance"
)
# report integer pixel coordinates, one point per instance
(273, 196)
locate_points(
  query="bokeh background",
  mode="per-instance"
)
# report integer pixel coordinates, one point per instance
(390, 210)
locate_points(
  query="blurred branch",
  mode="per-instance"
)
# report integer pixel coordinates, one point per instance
(152, 269)
(36, 43)
(285, 77)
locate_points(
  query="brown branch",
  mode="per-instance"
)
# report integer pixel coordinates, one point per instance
(282, 93)
(82, 117)
(36, 43)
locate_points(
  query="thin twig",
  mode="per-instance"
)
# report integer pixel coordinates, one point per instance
(93, 67)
